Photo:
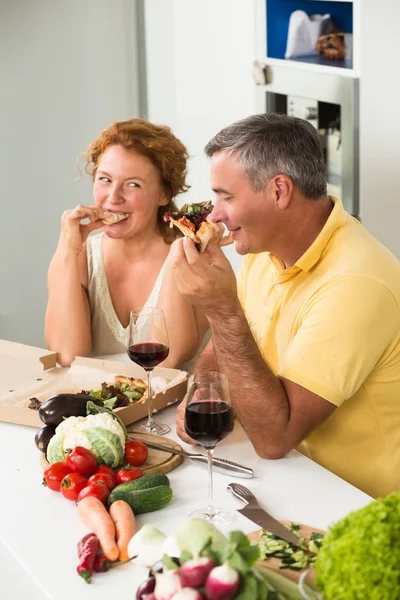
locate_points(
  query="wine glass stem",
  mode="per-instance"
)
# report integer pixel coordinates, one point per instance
(150, 421)
(211, 508)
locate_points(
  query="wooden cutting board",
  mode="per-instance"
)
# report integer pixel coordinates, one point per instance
(273, 563)
(157, 461)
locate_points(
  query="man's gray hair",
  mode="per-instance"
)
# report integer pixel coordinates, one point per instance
(272, 144)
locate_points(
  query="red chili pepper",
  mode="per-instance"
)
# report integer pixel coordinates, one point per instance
(101, 564)
(87, 550)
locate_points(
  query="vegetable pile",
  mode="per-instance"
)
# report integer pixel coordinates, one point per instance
(120, 393)
(199, 563)
(292, 557)
(360, 555)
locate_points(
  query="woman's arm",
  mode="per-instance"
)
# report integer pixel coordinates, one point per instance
(67, 325)
(186, 325)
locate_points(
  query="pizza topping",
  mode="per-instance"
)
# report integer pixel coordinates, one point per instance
(194, 213)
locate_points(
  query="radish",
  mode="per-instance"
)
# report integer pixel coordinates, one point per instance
(167, 584)
(187, 594)
(194, 573)
(222, 583)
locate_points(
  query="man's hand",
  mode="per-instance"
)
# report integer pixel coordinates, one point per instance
(180, 424)
(206, 279)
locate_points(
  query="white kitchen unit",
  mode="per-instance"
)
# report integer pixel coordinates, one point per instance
(373, 89)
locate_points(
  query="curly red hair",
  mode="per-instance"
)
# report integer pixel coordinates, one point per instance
(157, 143)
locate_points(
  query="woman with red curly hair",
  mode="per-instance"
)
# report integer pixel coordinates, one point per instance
(138, 168)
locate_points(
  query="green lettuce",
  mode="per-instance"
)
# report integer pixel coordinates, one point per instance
(106, 444)
(360, 554)
(55, 451)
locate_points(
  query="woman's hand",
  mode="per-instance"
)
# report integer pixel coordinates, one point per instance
(73, 232)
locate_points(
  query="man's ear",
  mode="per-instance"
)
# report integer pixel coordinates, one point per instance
(282, 188)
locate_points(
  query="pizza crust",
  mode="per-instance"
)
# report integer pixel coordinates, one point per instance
(207, 232)
(115, 218)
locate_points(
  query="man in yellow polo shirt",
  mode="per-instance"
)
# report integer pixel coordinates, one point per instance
(310, 339)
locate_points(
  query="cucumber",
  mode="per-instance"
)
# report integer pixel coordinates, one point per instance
(143, 483)
(144, 500)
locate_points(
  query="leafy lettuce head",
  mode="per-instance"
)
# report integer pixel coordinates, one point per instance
(360, 554)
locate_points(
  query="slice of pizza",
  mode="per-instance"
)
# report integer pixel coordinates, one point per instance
(192, 221)
(115, 217)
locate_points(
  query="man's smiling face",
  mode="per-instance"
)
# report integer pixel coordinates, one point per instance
(250, 216)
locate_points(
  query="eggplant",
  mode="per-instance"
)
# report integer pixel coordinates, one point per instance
(57, 408)
(43, 436)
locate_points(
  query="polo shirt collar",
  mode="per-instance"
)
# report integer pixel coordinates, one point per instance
(311, 256)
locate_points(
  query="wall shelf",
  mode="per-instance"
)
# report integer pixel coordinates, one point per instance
(316, 64)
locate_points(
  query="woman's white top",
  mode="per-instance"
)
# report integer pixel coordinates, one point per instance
(109, 336)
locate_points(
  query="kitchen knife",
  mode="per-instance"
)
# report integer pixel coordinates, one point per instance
(258, 515)
(220, 464)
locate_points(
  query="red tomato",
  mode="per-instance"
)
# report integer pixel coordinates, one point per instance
(136, 453)
(54, 474)
(98, 490)
(105, 469)
(71, 485)
(125, 475)
(105, 478)
(82, 461)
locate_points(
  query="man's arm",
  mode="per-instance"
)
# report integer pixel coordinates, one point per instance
(276, 414)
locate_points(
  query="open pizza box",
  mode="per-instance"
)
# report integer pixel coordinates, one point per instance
(27, 372)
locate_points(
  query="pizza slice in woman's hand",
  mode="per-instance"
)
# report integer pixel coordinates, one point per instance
(192, 221)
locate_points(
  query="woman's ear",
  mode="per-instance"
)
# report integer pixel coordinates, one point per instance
(164, 199)
(282, 186)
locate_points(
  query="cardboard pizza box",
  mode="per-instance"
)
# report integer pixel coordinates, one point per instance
(28, 372)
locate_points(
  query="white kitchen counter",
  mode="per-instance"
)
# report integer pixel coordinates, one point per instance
(39, 529)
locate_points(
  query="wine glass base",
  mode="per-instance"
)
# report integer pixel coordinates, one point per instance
(220, 516)
(157, 428)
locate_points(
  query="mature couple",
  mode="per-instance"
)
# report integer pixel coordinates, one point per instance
(308, 333)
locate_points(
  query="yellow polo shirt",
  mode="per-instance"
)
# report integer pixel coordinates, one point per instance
(331, 323)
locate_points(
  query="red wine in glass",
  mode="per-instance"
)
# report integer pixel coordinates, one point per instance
(209, 421)
(148, 346)
(148, 354)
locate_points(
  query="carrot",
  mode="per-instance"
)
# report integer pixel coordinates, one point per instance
(94, 515)
(124, 520)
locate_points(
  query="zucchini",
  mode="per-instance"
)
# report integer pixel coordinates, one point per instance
(143, 483)
(144, 500)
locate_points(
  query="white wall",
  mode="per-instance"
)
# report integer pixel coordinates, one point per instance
(380, 121)
(199, 64)
(67, 70)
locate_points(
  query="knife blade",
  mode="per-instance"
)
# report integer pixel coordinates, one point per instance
(258, 515)
(220, 464)
(264, 520)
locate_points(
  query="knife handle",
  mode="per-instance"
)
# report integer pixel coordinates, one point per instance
(227, 467)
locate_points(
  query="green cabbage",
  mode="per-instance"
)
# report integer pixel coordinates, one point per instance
(100, 433)
(55, 451)
(360, 554)
(106, 444)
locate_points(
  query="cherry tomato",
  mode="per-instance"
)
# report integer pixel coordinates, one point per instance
(81, 460)
(72, 484)
(127, 474)
(105, 469)
(108, 480)
(136, 453)
(54, 474)
(97, 490)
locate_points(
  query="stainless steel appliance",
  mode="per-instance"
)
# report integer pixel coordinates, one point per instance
(329, 102)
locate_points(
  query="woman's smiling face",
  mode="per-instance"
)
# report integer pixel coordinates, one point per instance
(126, 181)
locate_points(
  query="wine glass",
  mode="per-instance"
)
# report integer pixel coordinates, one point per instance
(148, 346)
(208, 420)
